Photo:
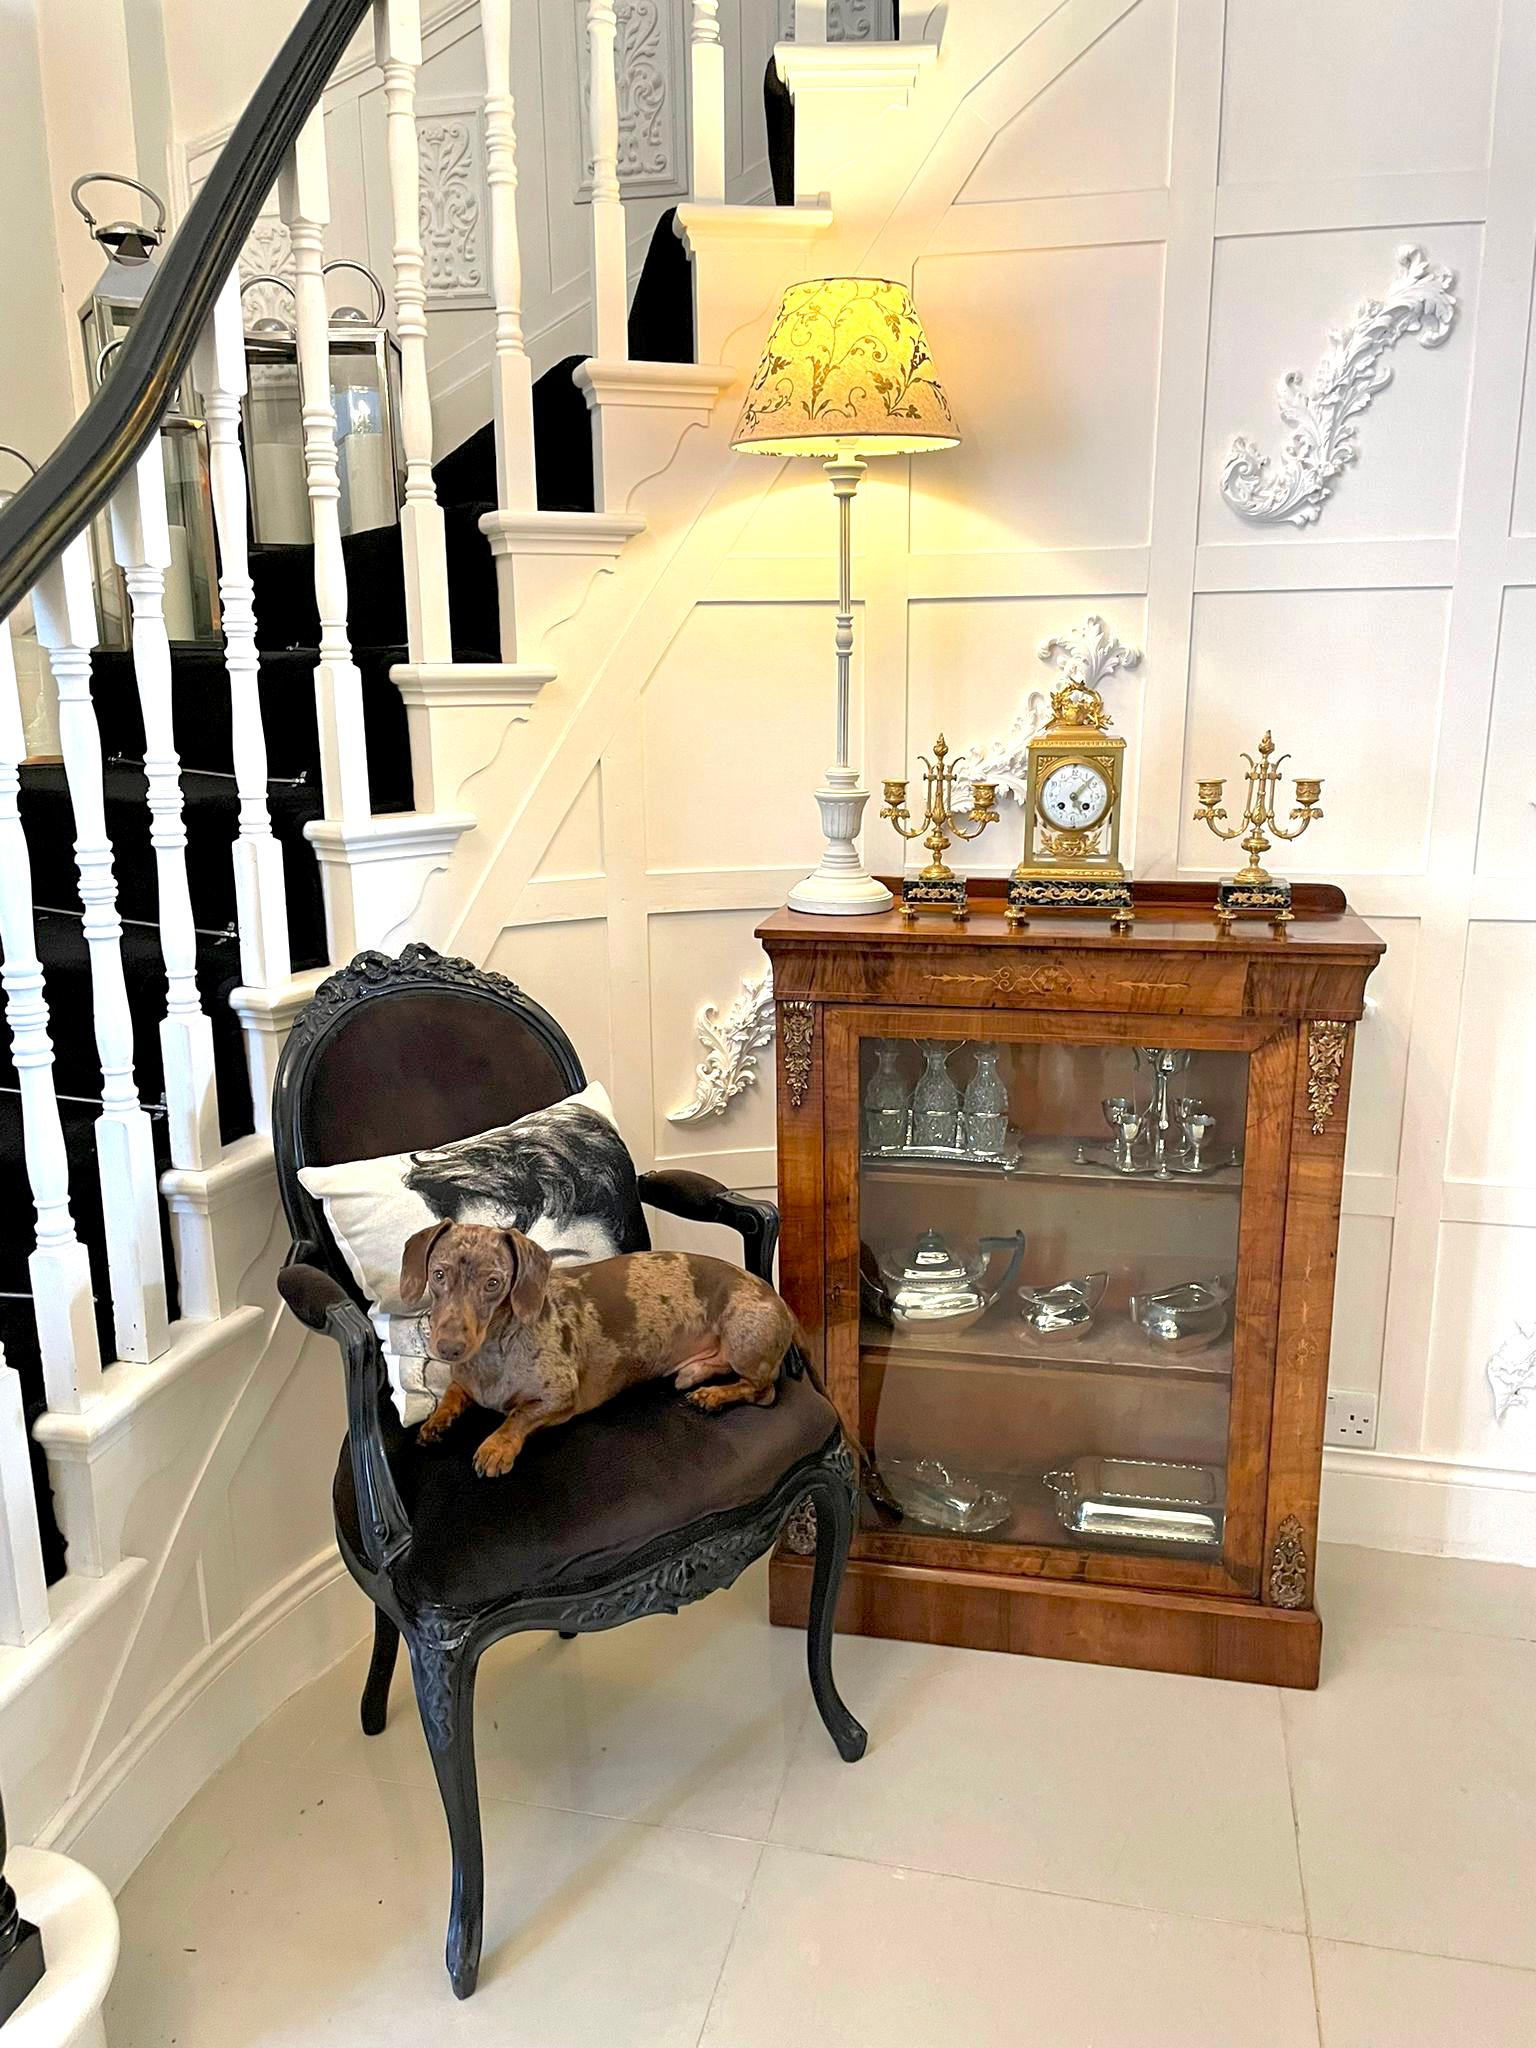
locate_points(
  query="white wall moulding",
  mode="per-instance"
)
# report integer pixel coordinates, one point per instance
(458, 714)
(454, 205)
(1323, 410)
(1512, 1370)
(732, 1043)
(268, 253)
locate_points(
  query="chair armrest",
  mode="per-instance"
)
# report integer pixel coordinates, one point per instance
(698, 1199)
(322, 1303)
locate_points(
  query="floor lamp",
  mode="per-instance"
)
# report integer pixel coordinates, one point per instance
(845, 374)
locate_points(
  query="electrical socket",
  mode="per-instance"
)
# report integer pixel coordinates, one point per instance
(1351, 1421)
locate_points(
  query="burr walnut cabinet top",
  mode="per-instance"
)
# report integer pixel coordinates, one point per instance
(1175, 960)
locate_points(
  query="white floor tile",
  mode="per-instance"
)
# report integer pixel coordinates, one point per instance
(839, 1951)
(1364, 1591)
(279, 1912)
(1129, 1786)
(1380, 1998)
(1414, 1767)
(687, 1719)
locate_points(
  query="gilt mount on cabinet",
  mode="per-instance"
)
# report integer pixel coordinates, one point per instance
(1115, 1453)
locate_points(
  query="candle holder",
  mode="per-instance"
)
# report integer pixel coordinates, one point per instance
(937, 887)
(1253, 890)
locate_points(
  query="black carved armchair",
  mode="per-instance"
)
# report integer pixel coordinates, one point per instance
(411, 1053)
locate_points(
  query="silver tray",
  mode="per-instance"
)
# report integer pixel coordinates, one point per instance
(1006, 1161)
(1140, 1500)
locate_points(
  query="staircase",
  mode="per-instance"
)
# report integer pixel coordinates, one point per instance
(369, 745)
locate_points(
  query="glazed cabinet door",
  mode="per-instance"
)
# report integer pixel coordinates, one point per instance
(1053, 1253)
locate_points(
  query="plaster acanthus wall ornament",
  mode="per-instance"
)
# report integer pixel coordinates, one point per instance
(732, 1044)
(267, 253)
(1512, 1371)
(648, 68)
(848, 21)
(453, 208)
(1322, 413)
(1088, 654)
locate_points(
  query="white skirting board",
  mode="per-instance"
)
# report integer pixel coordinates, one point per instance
(1435, 1506)
(303, 1626)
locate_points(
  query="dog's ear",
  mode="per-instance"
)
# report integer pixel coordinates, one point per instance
(413, 1263)
(530, 1275)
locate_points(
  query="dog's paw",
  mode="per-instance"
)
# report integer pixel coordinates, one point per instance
(715, 1396)
(493, 1459)
(431, 1431)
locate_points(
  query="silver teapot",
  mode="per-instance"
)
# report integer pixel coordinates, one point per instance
(933, 1285)
(1065, 1311)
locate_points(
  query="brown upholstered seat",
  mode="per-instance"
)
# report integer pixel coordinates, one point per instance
(587, 1499)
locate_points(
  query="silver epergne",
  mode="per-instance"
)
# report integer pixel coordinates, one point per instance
(1170, 1136)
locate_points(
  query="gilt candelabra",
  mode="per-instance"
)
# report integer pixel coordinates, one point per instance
(937, 887)
(1253, 890)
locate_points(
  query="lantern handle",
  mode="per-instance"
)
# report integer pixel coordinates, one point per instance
(114, 178)
(25, 460)
(344, 263)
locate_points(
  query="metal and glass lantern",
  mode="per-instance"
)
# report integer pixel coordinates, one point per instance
(365, 398)
(192, 579)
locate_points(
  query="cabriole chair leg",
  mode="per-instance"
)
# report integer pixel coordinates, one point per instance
(445, 1693)
(834, 1533)
(386, 1641)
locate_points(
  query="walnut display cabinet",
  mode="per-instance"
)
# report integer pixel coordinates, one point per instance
(1060, 1215)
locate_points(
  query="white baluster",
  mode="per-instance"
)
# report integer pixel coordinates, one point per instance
(397, 46)
(141, 542)
(59, 1268)
(516, 489)
(707, 112)
(23, 1589)
(610, 276)
(261, 908)
(66, 625)
(306, 207)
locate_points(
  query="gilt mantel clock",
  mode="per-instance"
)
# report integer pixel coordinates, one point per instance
(1074, 785)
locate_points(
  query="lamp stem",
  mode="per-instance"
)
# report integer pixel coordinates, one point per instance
(841, 885)
(845, 481)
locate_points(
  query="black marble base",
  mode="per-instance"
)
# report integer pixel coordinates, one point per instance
(1090, 893)
(947, 897)
(21, 1971)
(1253, 899)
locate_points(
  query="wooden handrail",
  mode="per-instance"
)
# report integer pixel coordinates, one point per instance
(94, 457)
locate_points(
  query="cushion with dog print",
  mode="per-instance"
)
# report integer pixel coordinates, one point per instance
(562, 1175)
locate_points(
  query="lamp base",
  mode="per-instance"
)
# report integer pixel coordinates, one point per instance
(841, 885)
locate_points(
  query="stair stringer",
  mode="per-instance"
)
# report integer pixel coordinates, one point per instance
(202, 1484)
(936, 117)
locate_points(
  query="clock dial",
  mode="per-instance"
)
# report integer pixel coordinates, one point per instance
(1074, 796)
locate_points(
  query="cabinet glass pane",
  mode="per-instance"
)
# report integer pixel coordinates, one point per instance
(1048, 1265)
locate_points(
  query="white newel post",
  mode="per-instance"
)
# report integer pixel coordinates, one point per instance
(23, 1589)
(66, 625)
(59, 1268)
(141, 542)
(512, 390)
(610, 273)
(707, 108)
(261, 902)
(305, 204)
(397, 46)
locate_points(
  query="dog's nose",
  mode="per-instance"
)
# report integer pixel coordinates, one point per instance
(450, 1349)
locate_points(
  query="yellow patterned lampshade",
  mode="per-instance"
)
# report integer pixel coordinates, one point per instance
(846, 367)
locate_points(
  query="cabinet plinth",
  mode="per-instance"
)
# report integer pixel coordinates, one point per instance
(1106, 1445)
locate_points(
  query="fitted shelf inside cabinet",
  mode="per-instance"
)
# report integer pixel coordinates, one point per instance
(1112, 1346)
(1048, 1159)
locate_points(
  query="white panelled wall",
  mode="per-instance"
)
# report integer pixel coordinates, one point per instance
(1123, 220)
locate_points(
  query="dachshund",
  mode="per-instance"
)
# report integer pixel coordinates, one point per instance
(541, 1344)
